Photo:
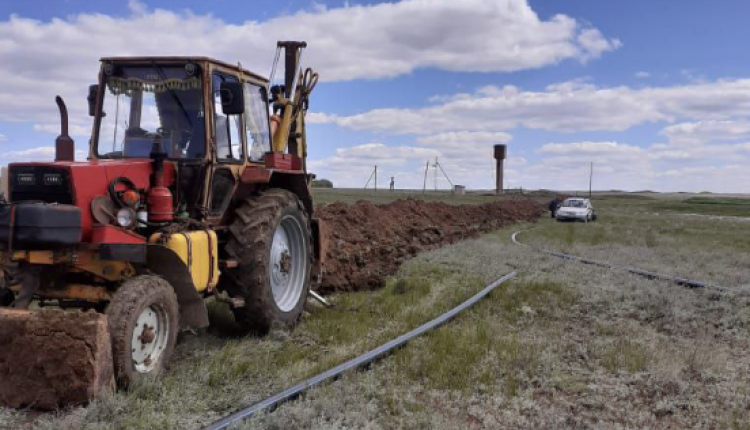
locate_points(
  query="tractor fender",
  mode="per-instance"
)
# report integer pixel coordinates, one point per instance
(164, 262)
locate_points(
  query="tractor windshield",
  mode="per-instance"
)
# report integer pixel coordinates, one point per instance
(143, 104)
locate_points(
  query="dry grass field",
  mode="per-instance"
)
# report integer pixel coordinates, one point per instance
(563, 345)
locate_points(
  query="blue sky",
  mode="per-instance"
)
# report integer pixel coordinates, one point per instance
(656, 93)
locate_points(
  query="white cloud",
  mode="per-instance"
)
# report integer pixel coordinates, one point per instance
(617, 165)
(728, 178)
(368, 155)
(642, 75)
(46, 153)
(353, 166)
(466, 158)
(566, 166)
(594, 43)
(607, 149)
(703, 132)
(565, 107)
(137, 8)
(464, 146)
(42, 153)
(3, 137)
(75, 130)
(661, 166)
(43, 59)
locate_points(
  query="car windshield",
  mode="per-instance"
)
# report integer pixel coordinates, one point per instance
(574, 204)
(143, 104)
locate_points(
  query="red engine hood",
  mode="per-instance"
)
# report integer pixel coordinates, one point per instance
(90, 179)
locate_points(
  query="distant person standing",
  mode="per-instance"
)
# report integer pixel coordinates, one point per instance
(553, 207)
(393, 183)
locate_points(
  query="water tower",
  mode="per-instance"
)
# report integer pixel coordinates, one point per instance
(500, 153)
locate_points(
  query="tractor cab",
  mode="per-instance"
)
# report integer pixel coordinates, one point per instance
(199, 108)
(210, 118)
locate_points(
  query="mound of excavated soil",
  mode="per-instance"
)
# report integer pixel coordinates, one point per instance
(367, 242)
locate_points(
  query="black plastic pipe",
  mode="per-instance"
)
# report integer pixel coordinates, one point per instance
(357, 362)
(650, 275)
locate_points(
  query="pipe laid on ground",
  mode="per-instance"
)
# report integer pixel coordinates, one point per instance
(634, 270)
(364, 359)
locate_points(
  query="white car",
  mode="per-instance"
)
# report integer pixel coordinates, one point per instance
(576, 209)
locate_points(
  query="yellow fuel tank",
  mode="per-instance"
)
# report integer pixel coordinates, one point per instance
(199, 250)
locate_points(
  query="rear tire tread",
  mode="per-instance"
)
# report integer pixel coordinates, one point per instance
(250, 236)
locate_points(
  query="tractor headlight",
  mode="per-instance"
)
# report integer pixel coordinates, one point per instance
(53, 179)
(26, 179)
(126, 217)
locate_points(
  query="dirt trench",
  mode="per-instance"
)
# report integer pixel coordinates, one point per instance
(367, 242)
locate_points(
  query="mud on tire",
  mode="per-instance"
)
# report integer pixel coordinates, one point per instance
(134, 333)
(250, 240)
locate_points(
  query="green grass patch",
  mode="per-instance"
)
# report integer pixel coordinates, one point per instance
(486, 348)
(724, 206)
(543, 299)
(624, 355)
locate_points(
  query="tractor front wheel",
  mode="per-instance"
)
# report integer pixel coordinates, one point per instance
(270, 238)
(143, 323)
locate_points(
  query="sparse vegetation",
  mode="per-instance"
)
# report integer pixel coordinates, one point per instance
(722, 206)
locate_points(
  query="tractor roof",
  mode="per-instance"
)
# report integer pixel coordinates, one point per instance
(182, 59)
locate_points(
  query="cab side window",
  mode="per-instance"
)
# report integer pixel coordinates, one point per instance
(228, 137)
(256, 122)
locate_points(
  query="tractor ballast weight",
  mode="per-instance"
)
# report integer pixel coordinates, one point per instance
(194, 187)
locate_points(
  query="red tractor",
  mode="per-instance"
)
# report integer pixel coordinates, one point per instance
(195, 186)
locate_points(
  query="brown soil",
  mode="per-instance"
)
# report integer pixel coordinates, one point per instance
(51, 359)
(367, 242)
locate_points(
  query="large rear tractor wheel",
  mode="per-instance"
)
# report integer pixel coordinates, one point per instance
(143, 319)
(270, 238)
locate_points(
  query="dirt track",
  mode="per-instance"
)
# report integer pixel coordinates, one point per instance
(368, 242)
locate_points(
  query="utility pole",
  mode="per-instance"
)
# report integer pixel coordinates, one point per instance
(369, 180)
(374, 175)
(444, 174)
(426, 169)
(436, 172)
(591, 177)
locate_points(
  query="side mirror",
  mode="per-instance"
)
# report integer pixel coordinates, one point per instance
(232, 98)
(93, 95)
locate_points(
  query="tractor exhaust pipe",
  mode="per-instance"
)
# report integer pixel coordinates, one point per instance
(64, 145)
